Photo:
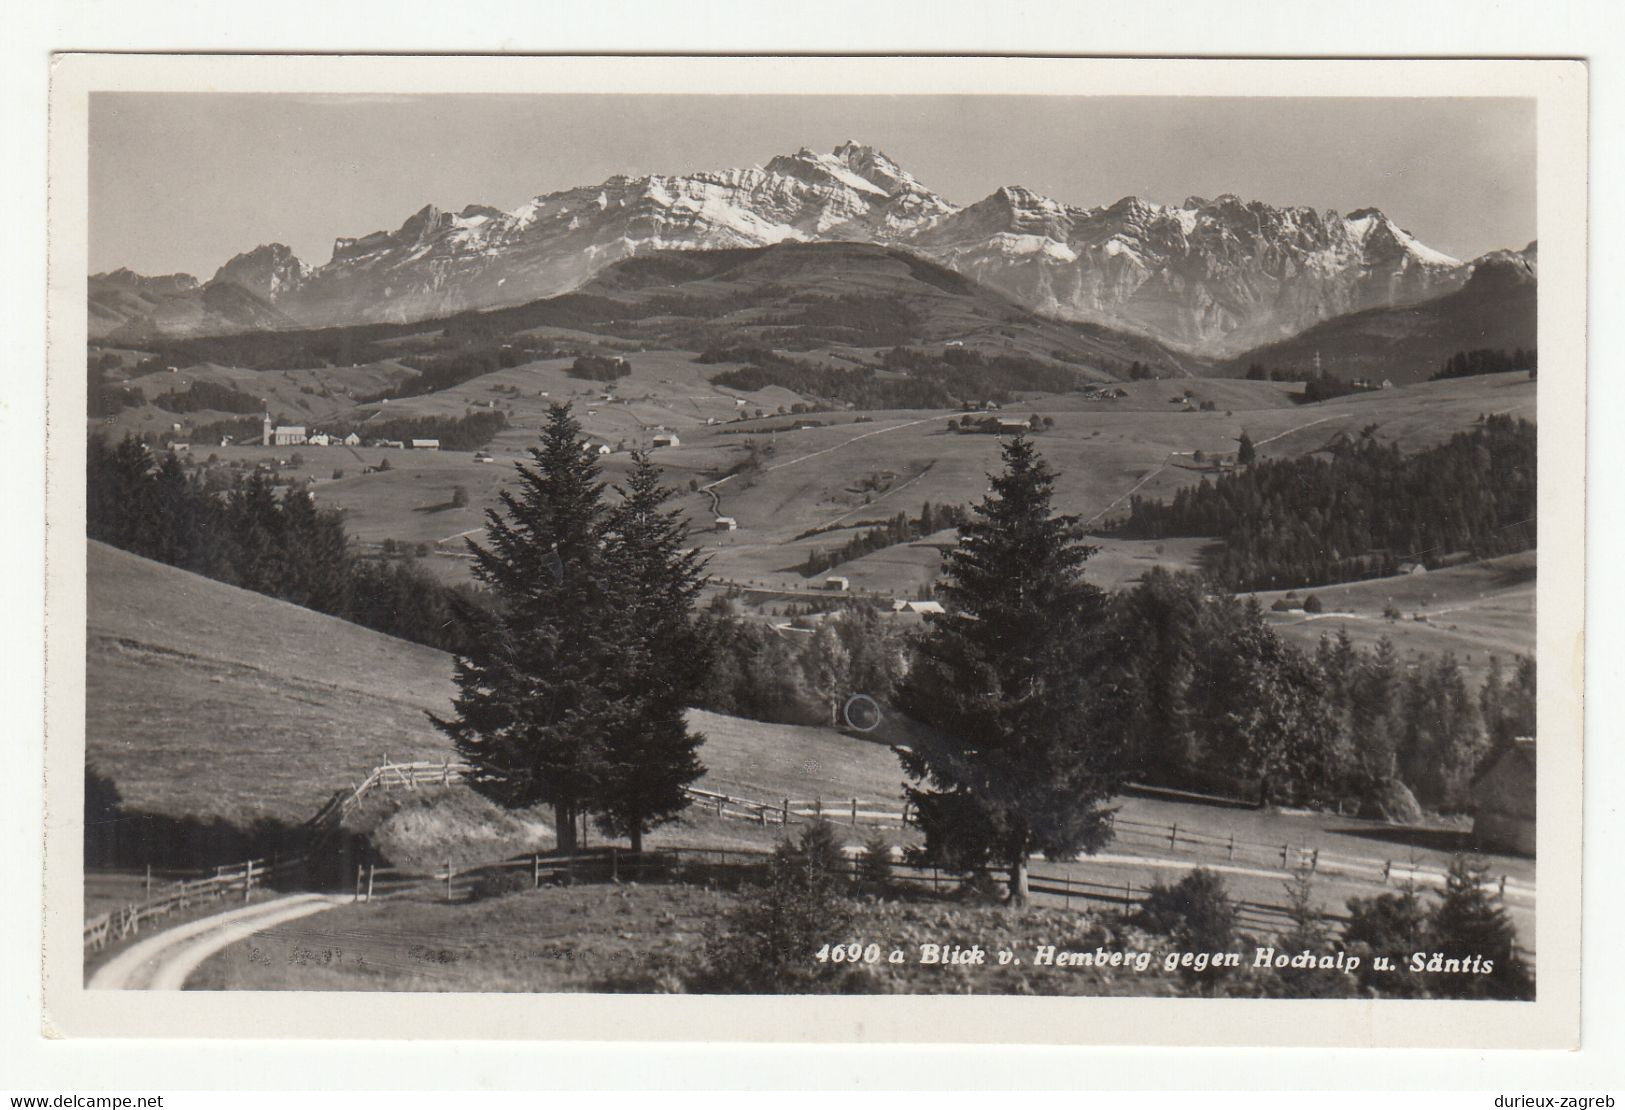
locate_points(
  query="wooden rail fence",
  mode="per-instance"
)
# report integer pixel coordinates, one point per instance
(243, 878)
(374, 882)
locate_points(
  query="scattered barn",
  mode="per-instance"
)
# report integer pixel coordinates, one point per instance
(666, 439)
(1504, 800)
(837, 583)
(352, 440)
(425, 445)
(727, 524)
(1412, 568)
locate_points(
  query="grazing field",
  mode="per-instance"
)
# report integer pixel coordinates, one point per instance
(206, 700)
(851, 468)
(1474, 611)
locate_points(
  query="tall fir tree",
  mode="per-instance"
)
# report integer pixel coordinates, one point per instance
(1027, 744)
(536, 699)
(650, 754)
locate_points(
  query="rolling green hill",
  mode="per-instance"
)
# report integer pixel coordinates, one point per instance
(204, 700)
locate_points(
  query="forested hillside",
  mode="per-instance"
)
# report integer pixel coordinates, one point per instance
(1359, 513)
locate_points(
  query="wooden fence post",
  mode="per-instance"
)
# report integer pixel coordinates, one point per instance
(786, 820)
(1069, 890)
(1173, 835)
(854, 811)
(448, 880)
(1232, 854)
(1283, 857)
(149, 882)
(1314, 860)
(248, 880)
(935, 889)
(536, 871)
(357, 897)
(1128, 896)
(1503, 890)
(614, 864)
(370, 868)
(1387, 871)
(818, 808)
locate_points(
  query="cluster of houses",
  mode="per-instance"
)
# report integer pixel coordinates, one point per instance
(296, 435)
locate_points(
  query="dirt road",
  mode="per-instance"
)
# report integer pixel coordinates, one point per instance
(165, 960)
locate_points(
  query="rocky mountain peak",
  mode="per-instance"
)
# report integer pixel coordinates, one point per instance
(1211, 275)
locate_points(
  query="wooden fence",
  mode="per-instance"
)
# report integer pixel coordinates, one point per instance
(1288, 857)
(731, 866)
(202, 886)
(374, 882)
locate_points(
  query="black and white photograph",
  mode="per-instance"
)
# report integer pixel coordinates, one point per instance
(1019, 537)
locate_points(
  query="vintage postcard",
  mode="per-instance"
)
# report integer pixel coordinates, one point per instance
(882, 549)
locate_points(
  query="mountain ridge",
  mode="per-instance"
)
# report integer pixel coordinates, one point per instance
(1209, 276)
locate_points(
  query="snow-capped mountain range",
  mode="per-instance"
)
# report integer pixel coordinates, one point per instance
(1214, 277)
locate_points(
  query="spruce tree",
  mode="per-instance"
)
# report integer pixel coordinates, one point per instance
(536, 695)
(650, 752)
(1469, 922)
(1027, 744)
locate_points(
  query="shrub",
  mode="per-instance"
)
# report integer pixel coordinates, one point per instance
(768, 942)
(459, 497)
(1195, 912)
(874, 868)
(1392, 925)
(979, 888)
(819, 849)
(498, 884)
(1310, 934)
(1312, 604)
(337, 474)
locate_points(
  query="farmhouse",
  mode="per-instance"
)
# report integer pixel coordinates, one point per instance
(727, 524)
(319, 439)
(923, 607)
(1504, 800)
(666, 439)
(425, 445)
(352, 440)
(1009, 427)
(288, 435)
(595, 448)
(1412, 568)
(837, 583)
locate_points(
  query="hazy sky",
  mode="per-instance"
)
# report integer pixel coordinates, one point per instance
(183, 181)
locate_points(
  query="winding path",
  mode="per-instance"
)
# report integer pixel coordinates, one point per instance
(163, 962)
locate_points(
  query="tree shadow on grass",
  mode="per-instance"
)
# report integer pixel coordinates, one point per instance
(1411, 836)
(120, 837)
